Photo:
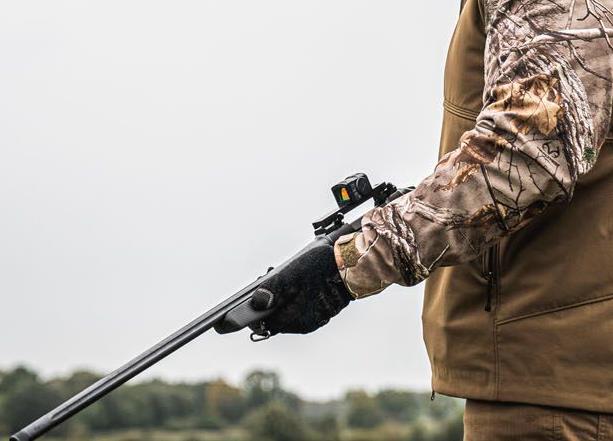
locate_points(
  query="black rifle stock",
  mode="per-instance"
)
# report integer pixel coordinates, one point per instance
(232, 314)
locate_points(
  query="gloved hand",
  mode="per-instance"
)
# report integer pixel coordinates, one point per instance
(306, 294)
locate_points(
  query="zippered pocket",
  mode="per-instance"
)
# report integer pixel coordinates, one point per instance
(491, 273)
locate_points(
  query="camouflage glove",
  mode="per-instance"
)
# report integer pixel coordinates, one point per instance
(305, 295)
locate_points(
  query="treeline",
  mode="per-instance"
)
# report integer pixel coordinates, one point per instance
(259, 409)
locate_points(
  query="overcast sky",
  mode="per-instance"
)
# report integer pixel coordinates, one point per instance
(157, 156)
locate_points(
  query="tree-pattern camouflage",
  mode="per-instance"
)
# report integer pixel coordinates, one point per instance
(547, 107)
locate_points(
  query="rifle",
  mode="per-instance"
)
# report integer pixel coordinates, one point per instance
(231, 315)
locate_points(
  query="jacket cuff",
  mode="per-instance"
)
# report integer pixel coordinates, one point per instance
(361, 268)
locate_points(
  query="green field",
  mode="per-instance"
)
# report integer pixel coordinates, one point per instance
(387, 432)
(157, 435)
(258, 409)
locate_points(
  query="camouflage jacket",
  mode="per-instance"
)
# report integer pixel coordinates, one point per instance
(546, 112)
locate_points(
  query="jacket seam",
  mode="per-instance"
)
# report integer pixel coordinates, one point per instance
(460, 111)
(556, 309)
(485, 16)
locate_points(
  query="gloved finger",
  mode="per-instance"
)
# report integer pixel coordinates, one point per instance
(263, 299)
(282, 322)
(261, 328)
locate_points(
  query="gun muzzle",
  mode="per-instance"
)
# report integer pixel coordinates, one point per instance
(35, 429)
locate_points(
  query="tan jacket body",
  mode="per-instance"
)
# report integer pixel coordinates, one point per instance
(547, 334)
(513, 229)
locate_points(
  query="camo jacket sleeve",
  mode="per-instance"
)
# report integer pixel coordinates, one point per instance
(546, 111)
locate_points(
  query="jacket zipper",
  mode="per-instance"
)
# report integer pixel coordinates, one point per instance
(491, 260)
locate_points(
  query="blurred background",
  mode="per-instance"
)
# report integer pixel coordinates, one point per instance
(155, 157)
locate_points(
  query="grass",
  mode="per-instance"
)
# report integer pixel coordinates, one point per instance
(157, 435)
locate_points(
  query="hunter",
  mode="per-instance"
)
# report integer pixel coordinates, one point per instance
(512, 232)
